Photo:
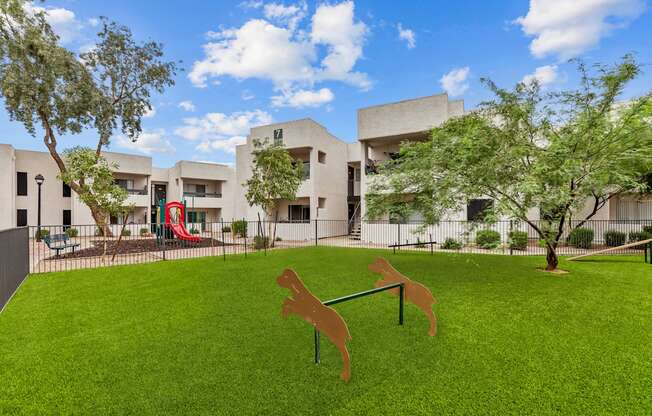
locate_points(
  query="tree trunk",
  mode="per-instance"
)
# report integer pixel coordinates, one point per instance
(551, 258)
(273, 242)
(100, 220)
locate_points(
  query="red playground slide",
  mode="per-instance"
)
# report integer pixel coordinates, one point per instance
(175, 222)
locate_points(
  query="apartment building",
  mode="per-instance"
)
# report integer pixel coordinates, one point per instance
(206, 188)
(336, 175)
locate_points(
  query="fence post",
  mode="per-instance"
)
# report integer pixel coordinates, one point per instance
(316, 240)
(246, 232)
(431, 243)
(223, 242)
(163, 235)
(398, 240)
(511, 251)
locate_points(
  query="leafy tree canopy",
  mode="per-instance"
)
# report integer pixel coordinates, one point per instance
(528, 149)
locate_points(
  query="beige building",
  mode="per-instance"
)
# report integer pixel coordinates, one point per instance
(336, 176)
(206, 188)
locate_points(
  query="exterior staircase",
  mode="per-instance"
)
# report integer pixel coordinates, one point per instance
(355, 231)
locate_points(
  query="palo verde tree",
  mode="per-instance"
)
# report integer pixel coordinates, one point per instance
(275, 176)
(94, 174)
(564, 153)
(50, 89)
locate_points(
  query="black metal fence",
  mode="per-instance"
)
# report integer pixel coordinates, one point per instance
(14, 262)
(63, 248)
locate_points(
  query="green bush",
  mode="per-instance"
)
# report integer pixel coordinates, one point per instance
(635, 236)
(647, 229)
(487, 239)
(581, 237)
(261, 242)
(614, 238)
(72, 232)
(126, 232)
(99, 232)
(226, 229)
(144, 231)
(194, 231)
(42, 233)
(240, 228)
(518, 240)
(451, 244)
(278, 239)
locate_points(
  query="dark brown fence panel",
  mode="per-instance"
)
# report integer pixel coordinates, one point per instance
(14, 261)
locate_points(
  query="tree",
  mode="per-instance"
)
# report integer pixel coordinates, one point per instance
(95, 176)
(48, 87)
(275, 176)
(526, 150)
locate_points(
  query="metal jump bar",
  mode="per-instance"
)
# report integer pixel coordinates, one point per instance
(421, 243)
(401, 297)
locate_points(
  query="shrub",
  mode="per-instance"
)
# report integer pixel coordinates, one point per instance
(278, 239)
(614, 238)
(635, 236)
(488, 239)
(99, 232)
(194, 231)
(647, 229)
(451, 244)
(240, 228)
(581, 237)
(226, 229)
(420, 244)
(72, 232)
(144, 231)
(518, 240)
(42, 233)
(261, 242)
(126, 232)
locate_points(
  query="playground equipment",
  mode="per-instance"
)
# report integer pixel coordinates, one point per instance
(325, 319)
(172, 219)
(646, 249)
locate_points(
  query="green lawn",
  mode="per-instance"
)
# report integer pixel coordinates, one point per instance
(205, 336)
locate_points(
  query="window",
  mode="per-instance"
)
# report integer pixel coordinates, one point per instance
(21, 183)
(67, 219)
(321, 203)
(125, 184)
(321, 157)
(300, 213)
(477, 209)
(200, 190)
(305, 170)
(278, 137)
(21, 217)
(66, 191)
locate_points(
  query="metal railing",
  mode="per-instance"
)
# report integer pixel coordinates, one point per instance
(142, 243)
(14, 261)
(202, 194)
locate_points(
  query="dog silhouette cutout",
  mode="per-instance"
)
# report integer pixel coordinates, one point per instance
(308, 307)
(414, 292)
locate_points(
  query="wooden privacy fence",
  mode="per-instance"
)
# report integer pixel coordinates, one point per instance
(14, 261)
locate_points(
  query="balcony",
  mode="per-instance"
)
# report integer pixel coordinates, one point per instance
(203, 199)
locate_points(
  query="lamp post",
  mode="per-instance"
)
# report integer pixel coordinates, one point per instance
(39, 181)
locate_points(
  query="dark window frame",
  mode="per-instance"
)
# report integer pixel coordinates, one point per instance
(21, 217)
(21, 183)
(66, 191)
(476, 208)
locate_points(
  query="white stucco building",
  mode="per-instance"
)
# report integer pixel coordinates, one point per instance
(336, 175)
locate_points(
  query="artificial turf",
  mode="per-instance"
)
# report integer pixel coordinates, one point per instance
(205, 336)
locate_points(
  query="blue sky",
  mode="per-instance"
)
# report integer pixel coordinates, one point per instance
(253, 62)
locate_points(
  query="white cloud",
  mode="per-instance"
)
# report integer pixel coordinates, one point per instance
(335, 27)
(148, 142)
(569, 28)
(63, 21)
(303, 98)
(407, 35)
(225, 145)
(289, 57)
(286, 15)
(455, 82)
(247, 95)
(187, 105)
(545, 75)
(219, 131)
(150, 113)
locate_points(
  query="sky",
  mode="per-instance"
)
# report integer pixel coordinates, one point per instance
(248, 63)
